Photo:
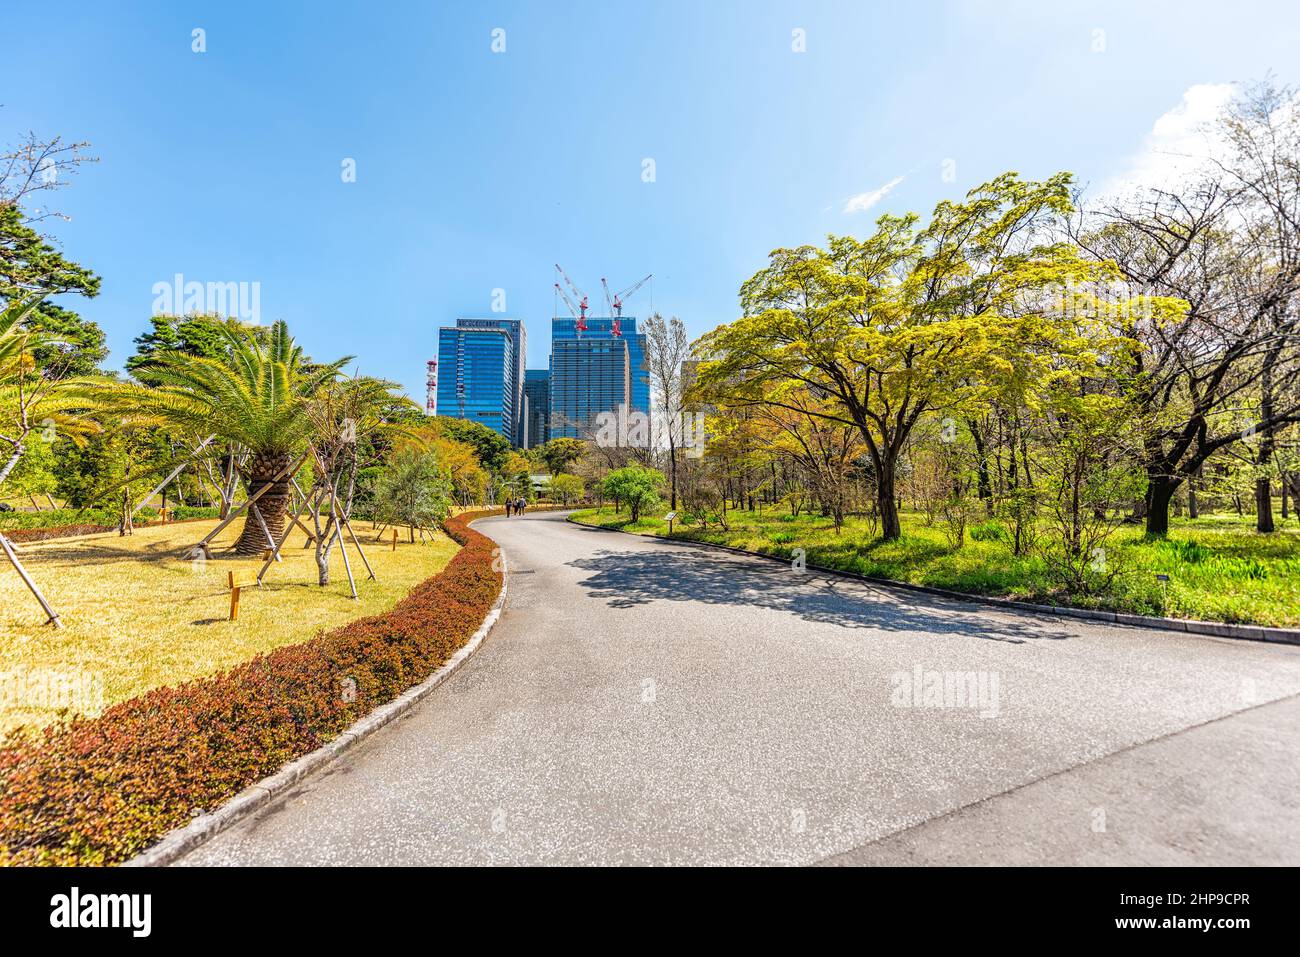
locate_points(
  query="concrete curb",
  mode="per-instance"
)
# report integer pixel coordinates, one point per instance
(253, 798)
(1216, 629)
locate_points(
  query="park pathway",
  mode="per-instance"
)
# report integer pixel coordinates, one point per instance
(646, 702)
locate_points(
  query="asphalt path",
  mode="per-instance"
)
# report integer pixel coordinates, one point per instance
(649, 702)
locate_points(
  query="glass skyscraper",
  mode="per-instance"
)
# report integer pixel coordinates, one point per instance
(588, 377)
(480, 373)
(537, 407)
(595, 372)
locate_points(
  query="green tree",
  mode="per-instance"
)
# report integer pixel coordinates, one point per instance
(33, 403)
(634, 486)
(906, 322)
(559, 454)
(79, 347)
(414, 491)
(29, 265)
(490, 446)
(205, 336)
(567, 487)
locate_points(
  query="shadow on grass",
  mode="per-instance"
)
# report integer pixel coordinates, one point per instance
(626, 579)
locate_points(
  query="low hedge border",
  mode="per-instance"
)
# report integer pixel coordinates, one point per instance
(1215, 629)
(72, 531)
(101, 790)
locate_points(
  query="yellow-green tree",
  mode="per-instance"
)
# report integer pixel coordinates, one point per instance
(906, 322)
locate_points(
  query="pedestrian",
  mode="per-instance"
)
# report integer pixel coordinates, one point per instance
(519, 506)
(509, 506)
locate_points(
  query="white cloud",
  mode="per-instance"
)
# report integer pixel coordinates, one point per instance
(1180, 141)
(864, 201)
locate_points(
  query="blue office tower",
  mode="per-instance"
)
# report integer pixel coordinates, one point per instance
(537, 407)
(481, 373)
(594, 372)
(477, 371)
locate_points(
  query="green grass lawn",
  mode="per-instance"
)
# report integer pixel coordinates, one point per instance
(1219, 568)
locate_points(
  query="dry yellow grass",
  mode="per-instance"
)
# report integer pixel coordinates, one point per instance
(137, 615)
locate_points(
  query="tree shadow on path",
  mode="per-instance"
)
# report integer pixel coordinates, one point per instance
(626, 579)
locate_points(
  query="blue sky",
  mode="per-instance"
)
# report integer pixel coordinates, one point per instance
(478, 171)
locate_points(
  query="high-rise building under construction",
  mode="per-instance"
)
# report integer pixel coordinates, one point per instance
(595, 370)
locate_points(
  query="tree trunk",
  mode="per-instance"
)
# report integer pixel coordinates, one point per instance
(985, 484)
(1263, 505)
(13, 460)
(1160, 490)
(672, 462)
(886, 497)
(225, 486)
(257, 473)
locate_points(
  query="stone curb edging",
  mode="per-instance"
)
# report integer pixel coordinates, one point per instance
(1216, 629)
(253, 798)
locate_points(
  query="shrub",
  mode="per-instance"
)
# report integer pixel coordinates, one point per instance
(94, 527)
(100, 790)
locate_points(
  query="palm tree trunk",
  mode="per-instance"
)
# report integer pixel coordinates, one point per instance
(257, 473)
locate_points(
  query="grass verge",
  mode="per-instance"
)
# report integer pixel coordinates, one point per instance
(100, 790)
(137, 615)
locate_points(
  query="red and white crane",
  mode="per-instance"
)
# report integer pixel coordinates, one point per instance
(580, 310)
(619, 297)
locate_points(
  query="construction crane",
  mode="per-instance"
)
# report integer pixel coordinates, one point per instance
(614, 329)
(616, 306)
(579, 311)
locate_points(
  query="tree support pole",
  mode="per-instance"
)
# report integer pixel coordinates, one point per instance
(174, 472)
(53, 616)
(270, 539)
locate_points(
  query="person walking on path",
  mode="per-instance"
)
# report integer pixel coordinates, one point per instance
(509, 507)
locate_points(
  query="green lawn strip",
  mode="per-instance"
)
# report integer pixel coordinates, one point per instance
(1219, 569)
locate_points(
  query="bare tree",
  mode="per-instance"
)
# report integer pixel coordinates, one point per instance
(666, 349)
(1229, 246)
(36, 165)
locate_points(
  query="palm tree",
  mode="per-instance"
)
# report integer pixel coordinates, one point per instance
(257, 399)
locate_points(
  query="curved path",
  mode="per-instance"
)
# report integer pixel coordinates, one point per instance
(646, 702)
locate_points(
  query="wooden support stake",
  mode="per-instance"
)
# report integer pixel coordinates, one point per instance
(394, 539)
(234, 597)
(266, 561)
(311, 538)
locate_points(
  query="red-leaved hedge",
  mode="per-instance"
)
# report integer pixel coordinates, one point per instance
(100, 790)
